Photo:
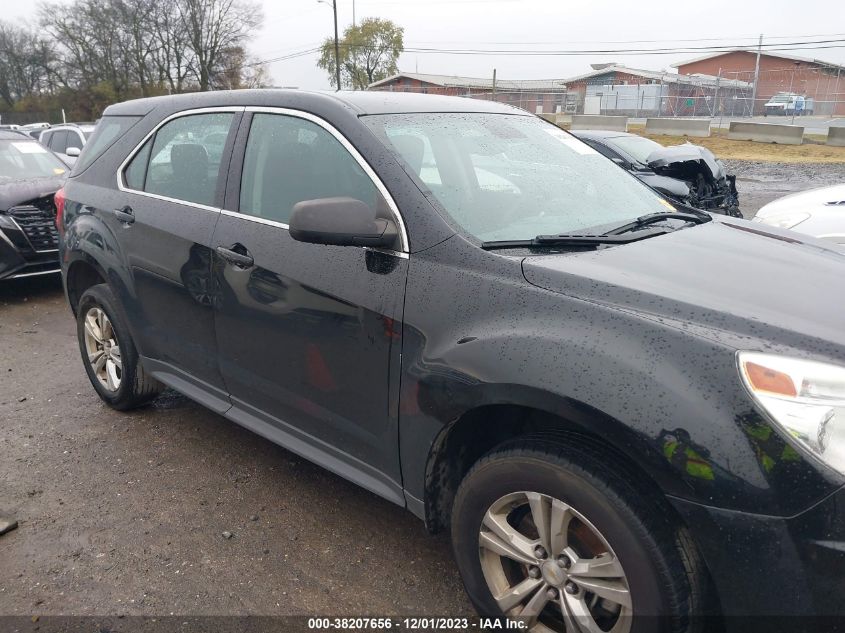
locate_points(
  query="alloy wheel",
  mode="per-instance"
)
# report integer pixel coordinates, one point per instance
(103, 348)
(545, 563)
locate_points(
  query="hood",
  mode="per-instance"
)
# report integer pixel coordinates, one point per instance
(724, 276)
(14, 192)
(668, 159)
(823, 197)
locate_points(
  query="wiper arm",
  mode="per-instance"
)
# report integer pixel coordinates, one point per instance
(573, 240)
(698, 217)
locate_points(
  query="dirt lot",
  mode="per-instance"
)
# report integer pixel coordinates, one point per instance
(761, 182)
(124, 513)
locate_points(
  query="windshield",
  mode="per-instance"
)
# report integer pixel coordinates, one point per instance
(24, 159)
(637, 147)
(506, 177)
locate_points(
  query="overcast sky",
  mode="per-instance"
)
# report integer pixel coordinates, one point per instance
(295, 25)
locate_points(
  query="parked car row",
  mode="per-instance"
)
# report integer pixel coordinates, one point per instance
(30, 174)
(476, 315)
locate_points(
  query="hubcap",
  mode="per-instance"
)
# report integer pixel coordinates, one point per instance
(103, 349)
(581, 585)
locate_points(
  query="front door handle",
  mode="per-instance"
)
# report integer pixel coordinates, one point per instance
(125, 215)
(241, 259)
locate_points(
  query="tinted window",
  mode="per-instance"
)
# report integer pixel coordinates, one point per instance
(185, 157)
(74, 139)
(108, 130)
(136, 171)
(289, 160)
(58, 141)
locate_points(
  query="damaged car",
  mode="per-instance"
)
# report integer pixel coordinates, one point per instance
(30, 175)
(689, 174)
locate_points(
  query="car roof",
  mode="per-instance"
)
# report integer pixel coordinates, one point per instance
(14, 135)
(360, 102)
(600, 134)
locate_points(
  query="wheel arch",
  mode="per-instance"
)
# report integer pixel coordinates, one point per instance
(486, 426)
(81, 274)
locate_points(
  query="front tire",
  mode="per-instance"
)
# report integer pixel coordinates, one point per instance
(551, 535)
(108, 352)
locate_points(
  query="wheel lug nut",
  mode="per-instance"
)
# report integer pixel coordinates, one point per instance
(534, 572)
(563, 561)
(571, 588)
(551, 594)
(540, 552)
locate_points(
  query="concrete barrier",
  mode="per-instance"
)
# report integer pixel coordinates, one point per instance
(678, 127)
(599, 122)
(766, 132)
(836, 136)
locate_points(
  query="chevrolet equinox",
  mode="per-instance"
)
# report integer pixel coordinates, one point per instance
(629, 413)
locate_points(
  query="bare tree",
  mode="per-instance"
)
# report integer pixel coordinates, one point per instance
(235, 70)
(214, 26)
(26, 63)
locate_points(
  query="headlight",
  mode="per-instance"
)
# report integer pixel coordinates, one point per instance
(806, 398)
(786, 221)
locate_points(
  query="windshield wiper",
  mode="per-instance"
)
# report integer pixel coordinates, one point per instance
(698, 217)
(573, 240)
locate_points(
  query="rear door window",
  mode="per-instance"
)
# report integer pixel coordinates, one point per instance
(186, 157)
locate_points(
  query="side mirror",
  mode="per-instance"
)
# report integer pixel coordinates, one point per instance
(340, 222)
(73, 151)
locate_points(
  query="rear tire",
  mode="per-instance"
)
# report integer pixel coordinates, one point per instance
(108, 352)
(609, 558)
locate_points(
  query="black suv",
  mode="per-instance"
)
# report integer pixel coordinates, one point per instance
(467, 311)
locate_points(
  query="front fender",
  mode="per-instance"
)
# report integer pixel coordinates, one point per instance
(665, 396)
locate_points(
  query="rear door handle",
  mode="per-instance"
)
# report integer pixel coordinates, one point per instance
(125, 215)
(243, 260)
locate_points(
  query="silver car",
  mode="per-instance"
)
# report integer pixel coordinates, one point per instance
(817, 212)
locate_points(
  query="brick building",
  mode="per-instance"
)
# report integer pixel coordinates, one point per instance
(535, 95)
(619, 90)
(821, 81)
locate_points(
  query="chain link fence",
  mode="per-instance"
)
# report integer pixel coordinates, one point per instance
(787, 91)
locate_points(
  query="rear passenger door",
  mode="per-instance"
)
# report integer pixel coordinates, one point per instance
(309, 335)
(173, 187)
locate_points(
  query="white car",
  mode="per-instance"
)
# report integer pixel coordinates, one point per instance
(817, 212)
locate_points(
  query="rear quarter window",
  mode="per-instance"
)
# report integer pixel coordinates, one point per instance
(107, 131)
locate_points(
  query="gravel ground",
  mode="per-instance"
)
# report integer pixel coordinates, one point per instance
(124, 513)
(759, 183)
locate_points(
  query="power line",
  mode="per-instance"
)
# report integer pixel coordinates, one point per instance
(774, 46)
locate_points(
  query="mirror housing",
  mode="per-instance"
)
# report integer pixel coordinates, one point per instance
(73, 151)
(340, 222)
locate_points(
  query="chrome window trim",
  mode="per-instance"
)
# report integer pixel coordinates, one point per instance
(176, 115)
(356, 155)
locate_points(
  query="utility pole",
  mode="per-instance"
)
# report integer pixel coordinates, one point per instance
(336, 45)
(353, 14)
(756, 75)
(494, 83)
